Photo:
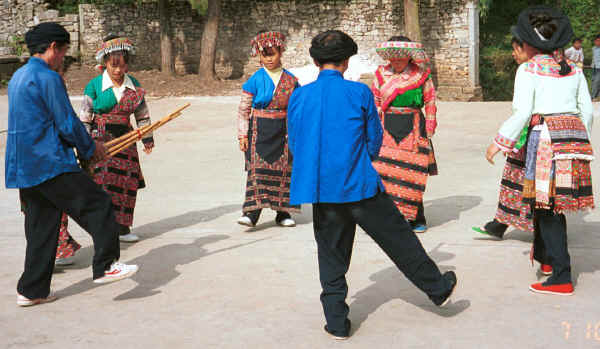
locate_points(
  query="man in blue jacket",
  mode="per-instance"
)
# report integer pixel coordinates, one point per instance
(40, 162)
(334, 134)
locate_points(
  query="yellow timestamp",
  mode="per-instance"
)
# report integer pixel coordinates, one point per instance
(592, 330)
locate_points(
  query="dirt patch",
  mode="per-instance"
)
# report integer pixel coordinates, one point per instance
(155, 82)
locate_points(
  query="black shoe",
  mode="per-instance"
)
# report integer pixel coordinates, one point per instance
(340, 336)
(441, 301)
(493, 234)
(249, 218)
(284, 219)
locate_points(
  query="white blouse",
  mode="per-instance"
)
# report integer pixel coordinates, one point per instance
(118, 91)
(539, 89)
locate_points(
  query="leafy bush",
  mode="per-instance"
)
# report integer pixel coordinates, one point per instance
(497, 69)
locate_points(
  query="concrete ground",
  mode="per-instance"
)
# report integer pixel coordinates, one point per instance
(206, 282)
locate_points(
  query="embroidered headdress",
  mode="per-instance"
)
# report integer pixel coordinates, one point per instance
(267, 39)
(403, 49)
(114, 45)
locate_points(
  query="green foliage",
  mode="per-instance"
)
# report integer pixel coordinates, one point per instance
(17, 42)
(585, 19)
(497, 69)
(200, 5)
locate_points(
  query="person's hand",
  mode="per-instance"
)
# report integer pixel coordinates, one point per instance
(430, 133)
(491, 151)
(243, 144)
(99, 152)
(148, 147)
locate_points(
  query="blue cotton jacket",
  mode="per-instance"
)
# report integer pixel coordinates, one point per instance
(334, 133)
(42, 128)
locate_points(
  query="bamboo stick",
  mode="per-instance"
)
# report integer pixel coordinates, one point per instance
(126, 137)
(126, 143)
(118, 144)
(134, 132)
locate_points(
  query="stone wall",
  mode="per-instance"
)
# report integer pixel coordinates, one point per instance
(444, 24)
(18, 16)
(140, 22)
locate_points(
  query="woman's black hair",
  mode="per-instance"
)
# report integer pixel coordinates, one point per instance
(400, 38)
(515, 40)
(577, 40)
(270, 51)
(546, 26)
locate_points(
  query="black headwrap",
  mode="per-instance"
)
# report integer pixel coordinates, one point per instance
(46, 33)
(332, 46)
(526, 32)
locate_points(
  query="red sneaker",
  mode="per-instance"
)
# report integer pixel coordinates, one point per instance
(546, 269)
(561, 289)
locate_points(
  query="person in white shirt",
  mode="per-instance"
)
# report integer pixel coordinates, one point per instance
(596, 67)
(550, 172)
(575, 52)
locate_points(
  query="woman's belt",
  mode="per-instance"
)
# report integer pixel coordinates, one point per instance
(402, 110)
(538, 119)
(111, 119)
(270, 114)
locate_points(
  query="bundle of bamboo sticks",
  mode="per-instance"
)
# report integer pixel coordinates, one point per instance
(118, 144)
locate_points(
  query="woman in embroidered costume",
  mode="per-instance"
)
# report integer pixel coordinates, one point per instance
(262, 133)
(494, 228)
(550, 174)
(109, 100)
(402, 88)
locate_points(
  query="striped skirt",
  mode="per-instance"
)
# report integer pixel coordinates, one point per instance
(268, 163)
(552, 171)
(406, 159)
(120, 175)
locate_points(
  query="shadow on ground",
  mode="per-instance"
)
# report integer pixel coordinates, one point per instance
(160, 264)
(158, 267)
(584, 244)
(444, 210)
(304, 217)
(83, 258)
(390, 284)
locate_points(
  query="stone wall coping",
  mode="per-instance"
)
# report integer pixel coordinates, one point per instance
(13, 59)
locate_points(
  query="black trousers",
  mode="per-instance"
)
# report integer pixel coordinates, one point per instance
(420, 219)
(550, 245)
(335, 227)
(85, 202)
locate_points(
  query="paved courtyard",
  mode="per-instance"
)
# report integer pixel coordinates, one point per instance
(206, 282)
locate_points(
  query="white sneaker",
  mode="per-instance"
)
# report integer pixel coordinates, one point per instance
(118, 271)
(245, 220)
(23, 301)
(287, 222)
(61, 262)
(131, 237)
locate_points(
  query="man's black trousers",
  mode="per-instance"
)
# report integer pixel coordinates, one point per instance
(84, 201)
(335, 226)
